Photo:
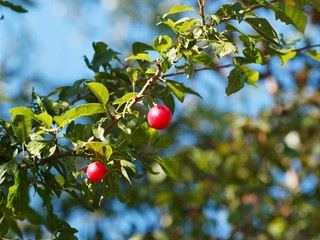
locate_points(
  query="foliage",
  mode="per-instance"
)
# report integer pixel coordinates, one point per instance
(48, 144)
(255, 171)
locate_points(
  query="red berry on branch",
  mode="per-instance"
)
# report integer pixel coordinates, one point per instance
(159, 117)
(96, 171)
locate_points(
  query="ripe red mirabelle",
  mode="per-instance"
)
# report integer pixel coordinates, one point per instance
(159, 117)
(96, 171)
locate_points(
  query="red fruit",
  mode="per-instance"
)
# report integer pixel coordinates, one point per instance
(96, 171)
(159, 117)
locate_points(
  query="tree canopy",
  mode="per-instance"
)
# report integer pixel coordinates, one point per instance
(260, 173)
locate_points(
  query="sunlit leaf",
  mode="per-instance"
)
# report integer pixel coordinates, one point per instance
(251, 77)
(169, 166)
(85, 110)
(314, 54)
(235, 81)
(297, 16)
(263, 27)
(140, 56)
(177, 9)
(100, 91)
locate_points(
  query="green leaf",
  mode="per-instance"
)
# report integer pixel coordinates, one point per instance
(4, 226)
(297, 16)
(18, 196)
(263, 27)
(40, 103)
(6, 126)
(88, 190)
(286, 55)
(126, 98)
(235, 81)
(314, 54)
(139, 56)
(185, 24)
(204, 59)
(177, 90)
(169, 22)
(55, 108)
(132, 74)
(163, 143)
(313, 3)
(151, 71)
(85, 110)
(223, 48)
(254, 55)
(251, 77)
(108, 190)
(100, 148)
(79, 199)
(101, 58)
(45, 118)
(27, 112)
(139, 47)
(161, 43)
(129, 165)
(189, 68)
(279, 10)
(61, 121)
(13, 7)
(14, 226)
(249, 41)
(49, 149)
(177, 9)
(151, 134)
(100, 91)
(98, 130)
(58, 225)
(215, 20)
(34, 148)
(239, 11)
(21, 126)
(230, 27)
(120, 195)
(168, 165)
(45, 192)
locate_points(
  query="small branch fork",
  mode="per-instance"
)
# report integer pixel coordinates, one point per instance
(134, 101)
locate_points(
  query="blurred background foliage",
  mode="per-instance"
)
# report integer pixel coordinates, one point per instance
(249, 163)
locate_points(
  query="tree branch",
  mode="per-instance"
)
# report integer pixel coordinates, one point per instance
(134, 101)
(201, 6)
(307, 47)
(55, 157)
(197, 69)
(231, 64)
(80, 97)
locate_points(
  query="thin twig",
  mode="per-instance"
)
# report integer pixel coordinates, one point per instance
(201, 6)
(53, 158)
(134, 101)
(307, 47)
(80, 97)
